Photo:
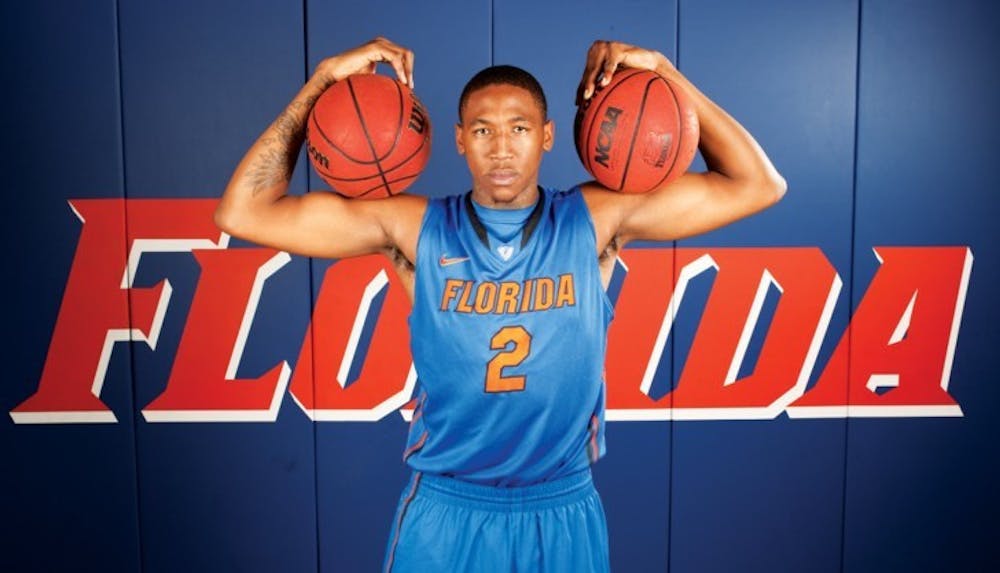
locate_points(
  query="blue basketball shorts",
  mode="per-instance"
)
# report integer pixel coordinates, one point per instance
(447, 525)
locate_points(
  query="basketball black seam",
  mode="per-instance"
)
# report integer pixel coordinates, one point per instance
(364, 129)
(387, 170)
(334, 145)
(375, 188)
(589, 165)
(364, 162)
(635, 132)
(587, 135)
(409, 157)
(399, 130)
(680, 134)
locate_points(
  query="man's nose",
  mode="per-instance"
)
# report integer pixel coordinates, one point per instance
(501, 148)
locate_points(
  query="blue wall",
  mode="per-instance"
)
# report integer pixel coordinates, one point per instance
(880, 115)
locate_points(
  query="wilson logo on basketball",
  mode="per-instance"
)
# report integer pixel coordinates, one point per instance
(418, 118)
(606, 137)
(315, 154)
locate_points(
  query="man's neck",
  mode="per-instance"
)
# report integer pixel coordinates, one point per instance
(526, 198)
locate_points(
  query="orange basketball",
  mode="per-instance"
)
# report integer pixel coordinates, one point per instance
(637, 133)
(368, 136)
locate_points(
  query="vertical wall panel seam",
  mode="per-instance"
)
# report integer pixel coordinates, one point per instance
(850, 283)
(312, 302)
(673, 339)
(133, 410)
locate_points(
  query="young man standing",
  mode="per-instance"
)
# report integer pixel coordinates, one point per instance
(510, 314)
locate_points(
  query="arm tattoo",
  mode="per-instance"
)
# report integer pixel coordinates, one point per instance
(276, 162)
(271, 167)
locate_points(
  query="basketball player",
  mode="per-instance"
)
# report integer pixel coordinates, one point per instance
(509, 314)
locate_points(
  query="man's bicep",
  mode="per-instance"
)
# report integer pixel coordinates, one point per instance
(696, 203)
(319, 224)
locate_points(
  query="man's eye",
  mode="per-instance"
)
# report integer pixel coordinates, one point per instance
(480, 131)
(520, 129)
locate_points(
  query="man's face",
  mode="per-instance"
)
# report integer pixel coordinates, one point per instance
(502, 136)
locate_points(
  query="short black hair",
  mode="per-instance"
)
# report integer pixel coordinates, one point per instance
(504, 75)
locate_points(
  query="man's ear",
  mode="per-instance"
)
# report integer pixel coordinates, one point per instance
(458, 139)
(548, 139)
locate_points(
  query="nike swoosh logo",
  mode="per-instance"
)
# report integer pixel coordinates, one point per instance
(445, 261)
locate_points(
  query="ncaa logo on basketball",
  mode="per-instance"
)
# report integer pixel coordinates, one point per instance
(606, 137)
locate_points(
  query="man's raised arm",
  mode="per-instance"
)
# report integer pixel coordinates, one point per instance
(256, 206)
(740, 179)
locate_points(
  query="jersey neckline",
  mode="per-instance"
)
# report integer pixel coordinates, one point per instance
(529, 226)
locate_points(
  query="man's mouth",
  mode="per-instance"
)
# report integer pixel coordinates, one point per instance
(502, 176)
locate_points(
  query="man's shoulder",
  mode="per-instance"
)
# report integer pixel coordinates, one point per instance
(598, 197)
(560, 195)
(442, 209)
(446, 199)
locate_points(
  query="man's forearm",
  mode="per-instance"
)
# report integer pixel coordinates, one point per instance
(727, 147)
(272, 158)
(263, 174)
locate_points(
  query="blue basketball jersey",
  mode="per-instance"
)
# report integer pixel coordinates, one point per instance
(508, 336)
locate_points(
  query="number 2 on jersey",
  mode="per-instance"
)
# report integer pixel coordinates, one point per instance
(521, 339)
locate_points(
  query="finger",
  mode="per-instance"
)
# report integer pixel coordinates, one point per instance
(595, 58)
(384, 50)
(408, 58)
(395, 59)
(607, 71)
(615, 59)
(596, 68)
(581, 88)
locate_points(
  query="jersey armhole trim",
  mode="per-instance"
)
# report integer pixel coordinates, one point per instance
(430, 211)
(578, 191)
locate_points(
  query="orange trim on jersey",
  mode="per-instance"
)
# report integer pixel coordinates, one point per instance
(399, 520)
(594, 425)
(418, 410)
(416, 416)
(413, 449)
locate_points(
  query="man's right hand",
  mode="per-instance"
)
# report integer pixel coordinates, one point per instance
(363, 60)
(256, 205)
